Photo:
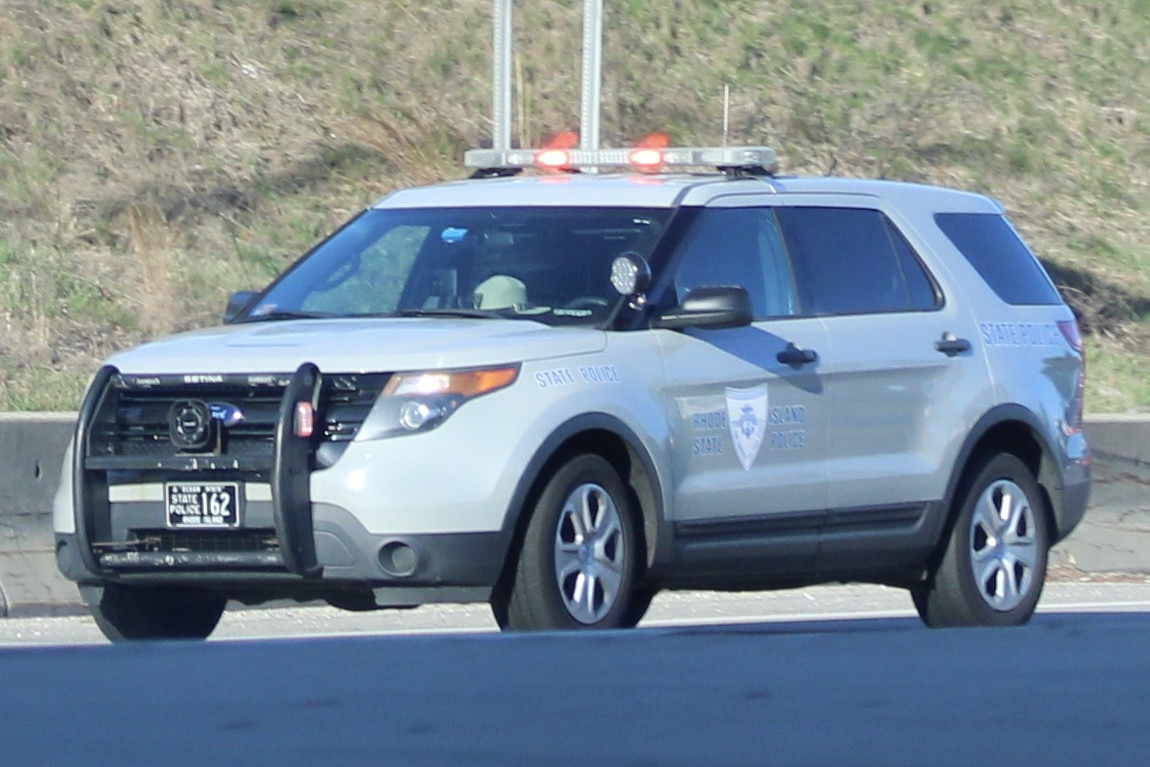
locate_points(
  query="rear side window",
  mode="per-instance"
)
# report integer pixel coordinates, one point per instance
(853, 261)
(1000, 257)
(920, 290)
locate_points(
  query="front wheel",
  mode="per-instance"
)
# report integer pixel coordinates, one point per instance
(994, 565)
(577, 565)
(157, 612)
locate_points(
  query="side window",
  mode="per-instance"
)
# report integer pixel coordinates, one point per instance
(780, 282)
(921, 290)
(1000, 256)
(853, 261)
(738, 246)
(371, 279)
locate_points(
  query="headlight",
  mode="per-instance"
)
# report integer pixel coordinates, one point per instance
(419, 401)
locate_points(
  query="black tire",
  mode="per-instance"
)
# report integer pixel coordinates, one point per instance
(641, 598)
(577, 566)
(126, 613)
(994, 565)
(499, 603)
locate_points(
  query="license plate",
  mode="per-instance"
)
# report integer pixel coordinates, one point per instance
(203, 505)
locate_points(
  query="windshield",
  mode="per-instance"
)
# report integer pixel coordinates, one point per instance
(547, 264)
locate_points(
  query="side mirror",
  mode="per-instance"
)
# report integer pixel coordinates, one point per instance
(238, 302)
(711, 306)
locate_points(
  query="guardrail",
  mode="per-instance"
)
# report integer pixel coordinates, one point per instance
(1114, 537)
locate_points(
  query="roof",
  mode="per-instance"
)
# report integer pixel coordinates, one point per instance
(668, 190)
(567, 189)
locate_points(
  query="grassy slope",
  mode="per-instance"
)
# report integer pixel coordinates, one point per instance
(157, 154)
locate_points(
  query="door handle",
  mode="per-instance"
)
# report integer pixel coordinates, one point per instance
(797, 357)
(950, 346)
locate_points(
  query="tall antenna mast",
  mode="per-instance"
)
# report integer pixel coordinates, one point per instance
(592, 73)
(501, 74)
(726, 112)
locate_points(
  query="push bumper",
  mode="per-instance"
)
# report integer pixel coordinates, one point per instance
(289, 546)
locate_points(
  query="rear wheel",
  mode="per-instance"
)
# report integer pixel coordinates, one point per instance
(577, 565)
(994, 565)
(157, 612)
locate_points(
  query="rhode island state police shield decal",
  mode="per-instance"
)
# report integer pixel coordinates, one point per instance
(747, 417)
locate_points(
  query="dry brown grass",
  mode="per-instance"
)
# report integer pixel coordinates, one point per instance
(152, 240)
(157, 154)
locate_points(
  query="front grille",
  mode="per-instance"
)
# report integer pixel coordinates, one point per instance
(138, 422)
(141, 426)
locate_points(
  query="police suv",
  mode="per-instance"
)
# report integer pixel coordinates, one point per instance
(560, 393)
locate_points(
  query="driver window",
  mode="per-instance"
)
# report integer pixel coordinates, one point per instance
(738, 246)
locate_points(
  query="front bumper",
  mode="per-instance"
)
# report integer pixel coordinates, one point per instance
(287, 546)
(390, 571)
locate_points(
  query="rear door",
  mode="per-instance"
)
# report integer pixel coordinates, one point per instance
(900, 370)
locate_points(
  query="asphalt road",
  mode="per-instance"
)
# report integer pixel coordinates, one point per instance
(788, 609)
(841, 675)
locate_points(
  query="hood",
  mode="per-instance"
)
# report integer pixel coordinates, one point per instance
(357, 346)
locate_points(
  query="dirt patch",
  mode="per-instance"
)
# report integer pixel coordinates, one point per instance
(1068, 572)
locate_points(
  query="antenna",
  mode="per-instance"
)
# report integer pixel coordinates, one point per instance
(501, 74)
(592, 73)
(726, 111)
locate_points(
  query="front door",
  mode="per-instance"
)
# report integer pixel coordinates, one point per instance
(750, 432)
(749, 417)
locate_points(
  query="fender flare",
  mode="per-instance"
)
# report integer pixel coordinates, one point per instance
(993, 418)
(652, 508)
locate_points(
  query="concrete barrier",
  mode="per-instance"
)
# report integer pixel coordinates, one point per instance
(31, 453)
(1114, 537)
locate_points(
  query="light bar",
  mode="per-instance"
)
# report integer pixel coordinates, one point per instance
(643, 158)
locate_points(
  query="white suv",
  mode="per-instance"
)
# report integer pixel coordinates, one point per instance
(561, 393)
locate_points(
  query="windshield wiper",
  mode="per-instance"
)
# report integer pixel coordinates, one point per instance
(286, 315)
(445, 312)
